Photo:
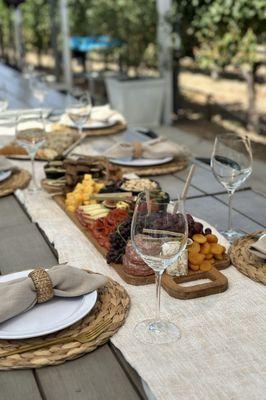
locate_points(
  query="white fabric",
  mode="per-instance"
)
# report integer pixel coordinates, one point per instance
(221, 354)
(98, 113)
(259, 247)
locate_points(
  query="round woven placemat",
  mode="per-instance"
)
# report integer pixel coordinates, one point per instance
(168, 168)
(112, 304)
(112, 130)
(245, 261)
(18, 180)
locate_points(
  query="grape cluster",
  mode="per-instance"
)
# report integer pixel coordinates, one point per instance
(196, 227)
(111, 187)
(118, 241)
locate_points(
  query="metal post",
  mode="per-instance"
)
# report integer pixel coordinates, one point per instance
(164, 39)
(18, 37)
(65, 42)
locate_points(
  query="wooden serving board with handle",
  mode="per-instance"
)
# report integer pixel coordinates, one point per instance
(218, 283)
(172, 284)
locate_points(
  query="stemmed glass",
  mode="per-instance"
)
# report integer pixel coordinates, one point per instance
(79, 110)
(159, 233)
(31, 135)
(3, 98)
(38, 87)
(231, 162)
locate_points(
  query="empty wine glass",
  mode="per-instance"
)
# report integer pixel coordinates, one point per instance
(38, 87)
(3, 98)
(159, 235)
(30, 134)
(79, 110)
(231, 162)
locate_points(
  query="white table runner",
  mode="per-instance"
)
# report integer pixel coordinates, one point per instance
(221, 354)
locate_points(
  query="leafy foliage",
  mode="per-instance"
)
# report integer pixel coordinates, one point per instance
(133, 22)
(224, 31)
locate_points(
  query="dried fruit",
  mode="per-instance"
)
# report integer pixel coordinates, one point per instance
(211, 238)
(208, 256)
(206, 265)
(194, 267)
(199, 238)
(205, 248)
(196, 258)
(194, 248)
(216, 248)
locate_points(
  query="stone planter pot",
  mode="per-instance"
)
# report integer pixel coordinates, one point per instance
(139, 100)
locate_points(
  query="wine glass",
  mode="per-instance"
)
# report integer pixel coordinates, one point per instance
(31, 135)
(159, 233)
(231, 163)
(3, 98)
(79, 110)
(38, 86)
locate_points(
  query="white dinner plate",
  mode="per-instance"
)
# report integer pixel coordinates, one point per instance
(141, 162)
(4, 175)
(91, 124)
(45, 318)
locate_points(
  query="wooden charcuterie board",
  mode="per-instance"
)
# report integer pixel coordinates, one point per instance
(172, 284)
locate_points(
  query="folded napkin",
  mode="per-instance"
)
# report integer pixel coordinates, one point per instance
(6, 165)
(98, 114)
(258, 248)
(152, 149)
(21, 295)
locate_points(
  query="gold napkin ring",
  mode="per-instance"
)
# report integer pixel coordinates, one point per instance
(43, 284)
(137, 151)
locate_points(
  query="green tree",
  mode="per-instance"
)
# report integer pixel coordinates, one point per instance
(133, 22)
(227, 32)
(36, 25)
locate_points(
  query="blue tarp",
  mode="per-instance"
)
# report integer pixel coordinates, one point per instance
(90, 43)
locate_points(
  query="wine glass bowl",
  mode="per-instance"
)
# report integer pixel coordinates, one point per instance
(231, 163)
(38, 86)
(79, 110)
(31, 135)
(159, 234)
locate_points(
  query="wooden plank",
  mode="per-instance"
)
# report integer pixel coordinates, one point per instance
(205, 181)
(11, 213)
(96, 376)
(216, 213)
(38, 252)
(250, 204)
(131, 373)
(18, 385)
(23, 247)
(174, 186)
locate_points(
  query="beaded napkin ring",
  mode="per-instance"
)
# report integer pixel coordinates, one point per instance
(43, 284)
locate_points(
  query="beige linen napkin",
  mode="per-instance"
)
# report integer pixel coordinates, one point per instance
(6, 165)
(19, 295)
(258, 248)
(98, 114)
(152, 149)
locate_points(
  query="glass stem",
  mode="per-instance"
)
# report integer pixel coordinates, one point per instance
(32, 157)
(230, 197)
(80, 130)
(158, 277)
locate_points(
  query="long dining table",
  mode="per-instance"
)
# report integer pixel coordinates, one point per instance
(104, 373)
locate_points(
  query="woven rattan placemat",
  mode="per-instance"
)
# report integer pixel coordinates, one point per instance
(112, 305)
(245, 261)
(112, 130)
(168, 168)
(18, 180)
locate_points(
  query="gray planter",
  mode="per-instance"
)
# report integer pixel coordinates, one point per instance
(139, 100)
